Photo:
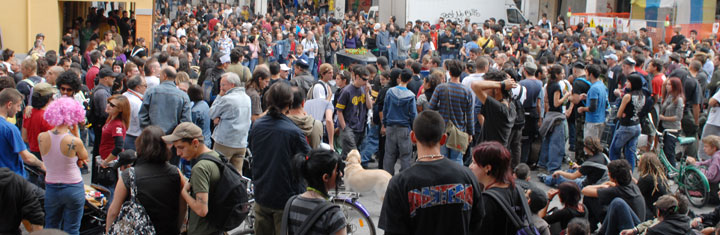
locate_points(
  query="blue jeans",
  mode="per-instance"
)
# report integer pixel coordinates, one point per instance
(313, 70)
(553, 149)
(571, 135)
(448, 56)
(625, 137)
(619, 216)
(552, 181)
(64, 206)
(452, 154)
(253, 63)
(370, 144)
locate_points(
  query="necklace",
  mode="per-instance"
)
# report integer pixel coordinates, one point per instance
(430, 156)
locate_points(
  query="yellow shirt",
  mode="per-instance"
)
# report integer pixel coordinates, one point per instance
(11, 120)
(481, 41)
(110, 45)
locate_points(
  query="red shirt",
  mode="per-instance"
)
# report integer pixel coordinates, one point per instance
(109, 131)
(657, 83)
(90, 77)
(212, 23)
(35, 125)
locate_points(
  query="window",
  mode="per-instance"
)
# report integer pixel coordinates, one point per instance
(514, 16)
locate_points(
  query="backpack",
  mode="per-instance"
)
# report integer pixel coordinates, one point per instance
(228, 206)
(524, 227)
(519, 110)
(309, 95)
(309, 220)
(133, 218)
(92, 116)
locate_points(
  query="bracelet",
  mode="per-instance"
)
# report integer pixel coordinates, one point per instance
(502, 85)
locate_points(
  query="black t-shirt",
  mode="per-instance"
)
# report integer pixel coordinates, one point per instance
(550, 96)
(158, 188)
(579, 87)
(445, 38)
(691, 87)
(415, 84)
(593, 174)
(617, 80)
(497, 221)
(629, 193)
(564, 216)
(499, 120)
(646, 184)
(436, 197)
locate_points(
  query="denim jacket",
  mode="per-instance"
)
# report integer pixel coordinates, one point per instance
(165, 106)
(233, 109)
(399, 108)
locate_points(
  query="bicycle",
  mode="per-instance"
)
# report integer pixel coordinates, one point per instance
(689, 178)
(357, 217)
(248, 225)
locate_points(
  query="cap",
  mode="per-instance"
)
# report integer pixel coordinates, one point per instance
(107, 73)
(377, 26)
(611, 57)
(284, 67)
(629, 61)
(126, 157)
(44, 89)
(39, 35)
(302, 63)
(579, 65)
(184, 130)
(225, 58)
(666, 202)
(530, 65)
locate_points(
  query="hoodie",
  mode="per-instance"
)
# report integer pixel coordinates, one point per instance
(19, 201)
(311, 128)
(676, 224)
(399, 108)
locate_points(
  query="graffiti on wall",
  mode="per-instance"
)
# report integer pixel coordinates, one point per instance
(460, 15)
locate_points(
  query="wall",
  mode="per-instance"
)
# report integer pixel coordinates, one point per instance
(13, 18)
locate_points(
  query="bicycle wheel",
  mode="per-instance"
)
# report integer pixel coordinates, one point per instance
(695, 187)
(357, 221)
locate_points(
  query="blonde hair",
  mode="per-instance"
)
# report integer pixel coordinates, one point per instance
(182, 77)
(651, 166)
(712, 140)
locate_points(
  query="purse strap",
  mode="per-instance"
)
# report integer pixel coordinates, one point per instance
(133, 186)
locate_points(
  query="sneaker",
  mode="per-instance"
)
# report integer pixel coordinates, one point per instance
(542, 170)
(542, 177)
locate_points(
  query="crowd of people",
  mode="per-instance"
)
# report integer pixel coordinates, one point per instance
(466, 109)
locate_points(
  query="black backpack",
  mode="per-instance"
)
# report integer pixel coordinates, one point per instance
(519, 110)
(524, 227)
(228, 206)
(91, 111)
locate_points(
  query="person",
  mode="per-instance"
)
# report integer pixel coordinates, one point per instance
(455, 103)
(272, 138)
(96, 60)
(578, 226)
(99, 98)
(321, 109)
(238, 68)
(399, 110)
(671, 112)
(152, 71)
(626, 135)
(63, 154)
(113, 132)
(200, 112)
(711, 147)
(591, 172)
(653, 181)
(352, 107)
(20, 200)
(187, 139)
(670, 220)
(35, 124)
(322, 171)
(312, 129)
(551, 129)
(712, 127)
(499, 114)
(429, 84)
(707, 221)
(322, 89)
(231, 113)
(158, 184)
(569, 195)
(619, 186)
(596, 103)
(136, 89)
(532, 105)
(302, 77)
(165, 106)
(257, 84)
(537, 200)
(13, 152)
(405, 212)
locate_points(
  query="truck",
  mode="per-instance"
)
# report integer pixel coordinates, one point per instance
(455, 10)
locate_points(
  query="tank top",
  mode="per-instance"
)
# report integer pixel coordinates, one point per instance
(60, 168)
(632, 110)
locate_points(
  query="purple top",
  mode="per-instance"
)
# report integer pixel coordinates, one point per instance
(712, 172)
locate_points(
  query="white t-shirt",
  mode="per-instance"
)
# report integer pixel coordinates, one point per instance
(152, 81)
(714, 114)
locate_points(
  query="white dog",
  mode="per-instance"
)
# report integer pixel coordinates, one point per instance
(360, 180)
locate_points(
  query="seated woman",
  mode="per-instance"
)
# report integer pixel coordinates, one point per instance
(652, 182)
(592, 171)
(711, 167)
(572, 208)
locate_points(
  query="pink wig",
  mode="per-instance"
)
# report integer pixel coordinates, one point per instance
(64, 111)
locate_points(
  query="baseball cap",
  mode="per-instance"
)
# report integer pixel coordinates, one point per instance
(225, 58)
(530, 66)
(629, 61)
(611, 56)
(302, 63)
(107, 73)
(126, 157)
(44, 89)
(184, 130)
(579, 65)
(666, 202)
(284, 67)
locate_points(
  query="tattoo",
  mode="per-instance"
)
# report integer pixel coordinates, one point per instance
(201, 201)
(71, 145)
(56, 132)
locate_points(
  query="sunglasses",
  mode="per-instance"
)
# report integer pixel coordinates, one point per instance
(64, 89)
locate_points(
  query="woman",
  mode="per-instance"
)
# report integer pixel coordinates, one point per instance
(671, 112)
(259, 81)
(572, 207)
(200, 112)
(113, 132)
(90, 48)
(711, 146)
(491, 165)
(429, 85)
(627, 133)
(321, 170)
(652, 182)
(351, 39)
(591, 172)
(62, 155)
(552, 129)
(158, 185)
(254, 47)
(117, 66)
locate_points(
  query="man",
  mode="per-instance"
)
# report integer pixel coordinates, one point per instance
(497, 109)
(188, 141)
(531, 106)
(412, 198)
(619, 186)
(416, 82)
(382, 40)
(596, 103)
(576, 120)
(447, 44)
(655, 69)
(231, 114)
(52, 74)
(13, 151)
(399, 111)
(455, 103)
(645, 39)
(236, 67)
(274, 138)
(165, 105)
(322, 88)
(693, 98)
(108, 41)
(30, 79)
(20, 201)
(99, 97)
(310, 48)
(311, 128)
(152, 70)
(352, 108)
(302, 78)
(136, 89)
(278, 73)
(616, 78)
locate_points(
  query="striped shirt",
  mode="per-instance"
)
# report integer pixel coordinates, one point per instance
(329, 223)
(455, 103)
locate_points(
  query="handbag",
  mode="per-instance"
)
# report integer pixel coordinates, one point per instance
(133, 218)
(456, 139)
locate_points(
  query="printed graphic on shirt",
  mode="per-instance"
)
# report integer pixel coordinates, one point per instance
(441, 195)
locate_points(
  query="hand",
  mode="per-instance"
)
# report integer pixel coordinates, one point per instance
(690, 160)
(382, 130)
(556, 174)
(581, 110)
(583, 96)
(186, 187)
(627, 232)
(509, 84)
(28, 111)
(81, 163)
(694, 223)
(609, 184)
(551, 193)
(708, 231)
(103, 164)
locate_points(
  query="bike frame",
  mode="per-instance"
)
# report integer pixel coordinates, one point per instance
(681, 169)
(352, 199)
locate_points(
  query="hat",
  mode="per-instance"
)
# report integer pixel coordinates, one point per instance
(530, 66)
(107, 73)
(611, 57)
(629, 61)
(225, 58)
(377, 26)
(184, 130)
(579, 65)
(126, 157)
(302, 63)
(666, 202)
(44, 89)
(284, 67)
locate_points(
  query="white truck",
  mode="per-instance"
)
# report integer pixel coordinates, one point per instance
(456, 10)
